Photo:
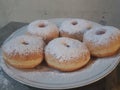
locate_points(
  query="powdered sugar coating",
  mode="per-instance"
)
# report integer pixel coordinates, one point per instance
(48, 28)
(66, 48)
(111, 33)
(23, 45)
(81, 26)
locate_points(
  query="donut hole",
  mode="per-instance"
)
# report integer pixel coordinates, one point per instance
(74, 22)
(88, 28)
(25, 43)
(65, 44)
(42, 25)
(100, 32)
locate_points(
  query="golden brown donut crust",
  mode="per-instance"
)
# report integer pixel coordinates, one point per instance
(27, 54)
(71, 65)
(66, 54)
(103, 45)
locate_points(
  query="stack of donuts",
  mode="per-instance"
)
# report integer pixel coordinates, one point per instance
(65, 48)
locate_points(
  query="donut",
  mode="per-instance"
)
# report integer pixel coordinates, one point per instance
(44, 29)
(66, 54)
(103, 41)
(75, 28)
(23, 51)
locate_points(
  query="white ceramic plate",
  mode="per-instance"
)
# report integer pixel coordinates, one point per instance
(48, 78)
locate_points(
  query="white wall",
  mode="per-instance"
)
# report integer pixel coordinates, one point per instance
(29, 10)
(3, 15)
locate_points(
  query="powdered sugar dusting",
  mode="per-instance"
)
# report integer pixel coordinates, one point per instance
(74, 26)
(48, 29)
(59, 48)
(23, 45)
(111, 33)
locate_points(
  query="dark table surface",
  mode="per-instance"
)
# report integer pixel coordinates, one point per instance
(110, 82)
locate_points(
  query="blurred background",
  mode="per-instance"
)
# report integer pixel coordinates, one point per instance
(106, 11)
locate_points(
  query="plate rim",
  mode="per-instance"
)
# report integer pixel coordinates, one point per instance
(73, 85)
